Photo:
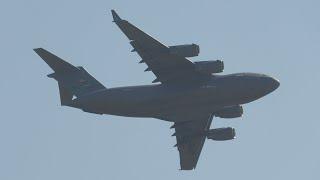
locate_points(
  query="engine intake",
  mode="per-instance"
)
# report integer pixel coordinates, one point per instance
(209, 67)
(186, 50)
(230, 112)
(222, 134)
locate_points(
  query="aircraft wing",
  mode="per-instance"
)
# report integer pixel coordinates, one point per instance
(190, 135)
(167, 67)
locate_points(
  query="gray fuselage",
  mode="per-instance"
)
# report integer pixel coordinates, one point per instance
(159, 101)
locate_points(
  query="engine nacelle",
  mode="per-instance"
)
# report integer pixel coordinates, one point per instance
(230, 112)
(187, 50)
(209, 67)
(221, 134)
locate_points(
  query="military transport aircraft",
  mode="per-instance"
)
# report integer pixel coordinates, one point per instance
(189, 94)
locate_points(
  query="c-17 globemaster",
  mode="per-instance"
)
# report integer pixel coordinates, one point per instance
(189, 94)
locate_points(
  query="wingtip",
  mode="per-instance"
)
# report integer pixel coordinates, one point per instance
(115, 16)
(36, 49)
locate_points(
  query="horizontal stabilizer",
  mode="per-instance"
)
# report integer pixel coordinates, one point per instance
(73, 81)
(56, 63)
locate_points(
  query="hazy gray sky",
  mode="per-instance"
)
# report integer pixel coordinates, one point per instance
(277, 138)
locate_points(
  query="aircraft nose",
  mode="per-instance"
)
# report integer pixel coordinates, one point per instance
(276, 83)
(272, 83)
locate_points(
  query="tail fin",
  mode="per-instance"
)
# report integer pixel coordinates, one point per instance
(73, 81)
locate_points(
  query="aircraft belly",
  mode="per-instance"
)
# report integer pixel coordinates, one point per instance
(133, 103)
(156, 100)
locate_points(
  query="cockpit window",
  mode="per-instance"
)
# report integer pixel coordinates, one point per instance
(250, 74)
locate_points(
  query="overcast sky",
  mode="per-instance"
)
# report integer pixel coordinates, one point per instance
(277, 138)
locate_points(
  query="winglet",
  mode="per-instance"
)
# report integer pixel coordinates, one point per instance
(115, 16)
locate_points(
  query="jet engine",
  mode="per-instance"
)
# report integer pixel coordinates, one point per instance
(221, 134)
(186, 50)
(209, 67)
(230, 112)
